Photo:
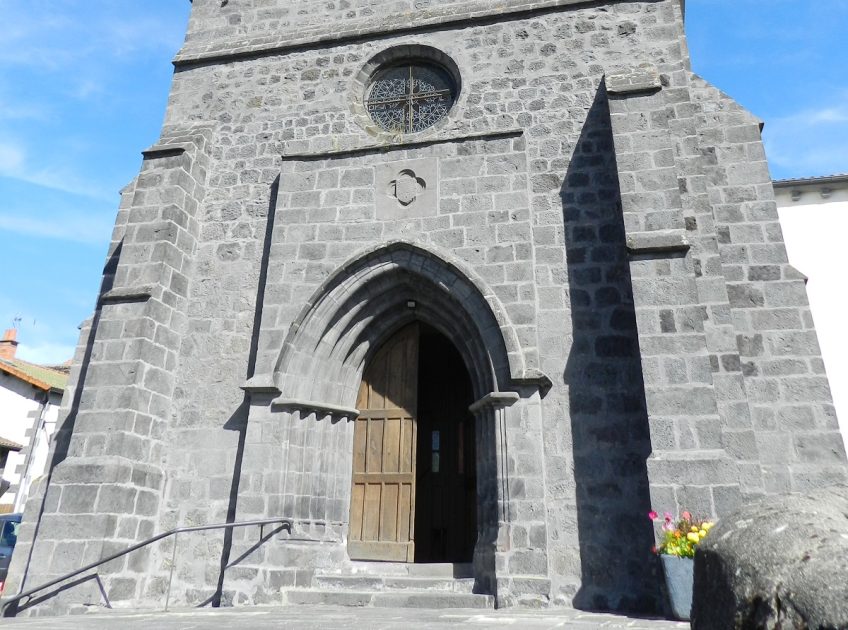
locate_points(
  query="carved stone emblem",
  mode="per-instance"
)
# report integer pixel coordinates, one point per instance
(407, 187)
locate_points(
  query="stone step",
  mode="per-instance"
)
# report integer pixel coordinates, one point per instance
(383, 569)
(410, 599)
(393, 583)
(433, 600)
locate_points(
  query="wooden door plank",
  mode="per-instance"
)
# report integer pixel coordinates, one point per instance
(406, 455)
(357, 500)
(360, 440)
(413, 465)
(374, 449)
(395, 380)
(382, 551)
(391, 445)
(389, 513)
(405, 512)
(411, 445)
(371, 512)
(390, 412)
(377, 381)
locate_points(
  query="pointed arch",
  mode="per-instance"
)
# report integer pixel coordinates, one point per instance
(376, 293)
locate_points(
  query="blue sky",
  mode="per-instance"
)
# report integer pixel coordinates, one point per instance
(83, 86)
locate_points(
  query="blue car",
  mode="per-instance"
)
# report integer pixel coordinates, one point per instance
(9, 524)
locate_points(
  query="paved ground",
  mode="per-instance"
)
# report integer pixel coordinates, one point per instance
(327, 618)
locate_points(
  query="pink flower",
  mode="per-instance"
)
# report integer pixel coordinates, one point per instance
(668, 517)
(652, 515)
(686, 516)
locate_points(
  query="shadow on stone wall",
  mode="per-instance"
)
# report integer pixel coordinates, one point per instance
(609, 422)
(238, 420)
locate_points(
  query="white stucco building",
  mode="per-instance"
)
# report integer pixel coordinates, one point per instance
(30, 396)
(814, 217)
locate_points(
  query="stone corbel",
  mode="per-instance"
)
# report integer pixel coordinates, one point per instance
(261, 384)
(494, 400)
(535, 378)
(165, 150)
(124, 295)
(320, 409)
(657, 241)
(633, 80)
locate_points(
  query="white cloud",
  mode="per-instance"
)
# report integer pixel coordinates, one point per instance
(59, 178)
(63, 225)
(62, 60)
(16, 164)
(828, 115)
(11, 157)
(86, 88)
(60, 34)
(812, 141)
(22, 111)
(45, 353)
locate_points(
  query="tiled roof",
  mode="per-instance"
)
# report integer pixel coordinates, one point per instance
(41, 376)
(9, 445)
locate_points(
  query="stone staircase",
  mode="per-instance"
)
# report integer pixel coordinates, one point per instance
(393, 585)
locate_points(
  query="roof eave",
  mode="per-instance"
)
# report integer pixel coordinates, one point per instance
(841, 178)
(26, 378)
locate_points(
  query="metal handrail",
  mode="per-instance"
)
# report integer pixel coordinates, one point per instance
(285, 522)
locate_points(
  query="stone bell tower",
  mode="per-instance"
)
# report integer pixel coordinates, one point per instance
(448, 283)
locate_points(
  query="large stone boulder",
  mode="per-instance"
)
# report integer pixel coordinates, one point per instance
(780, 563)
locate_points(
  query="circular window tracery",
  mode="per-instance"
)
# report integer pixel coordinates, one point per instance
(410, 97)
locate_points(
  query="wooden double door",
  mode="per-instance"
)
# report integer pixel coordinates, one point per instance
(414, 467)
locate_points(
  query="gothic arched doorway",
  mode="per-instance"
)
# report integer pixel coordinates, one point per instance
(414, 494)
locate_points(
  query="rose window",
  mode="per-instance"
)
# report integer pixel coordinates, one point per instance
(410, 97)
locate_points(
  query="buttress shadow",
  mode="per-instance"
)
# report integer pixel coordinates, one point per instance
(609, 422)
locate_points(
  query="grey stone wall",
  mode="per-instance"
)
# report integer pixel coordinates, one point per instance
(596, 235)
(220, 29)
(791, 406)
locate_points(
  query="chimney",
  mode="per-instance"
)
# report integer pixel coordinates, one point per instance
(9, 344)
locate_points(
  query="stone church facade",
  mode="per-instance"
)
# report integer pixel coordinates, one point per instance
(441, 281)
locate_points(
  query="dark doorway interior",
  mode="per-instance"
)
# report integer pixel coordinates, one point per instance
(446, 482)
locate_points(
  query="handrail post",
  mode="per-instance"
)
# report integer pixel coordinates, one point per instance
(171, 574)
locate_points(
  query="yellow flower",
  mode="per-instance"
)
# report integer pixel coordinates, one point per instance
(707, 526)
(694, 528)
(702, 533)
(693, 537)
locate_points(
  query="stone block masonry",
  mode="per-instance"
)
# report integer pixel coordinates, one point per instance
(591, 226)
(107, 478)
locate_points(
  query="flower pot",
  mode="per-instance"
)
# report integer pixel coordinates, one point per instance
(679, 576)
